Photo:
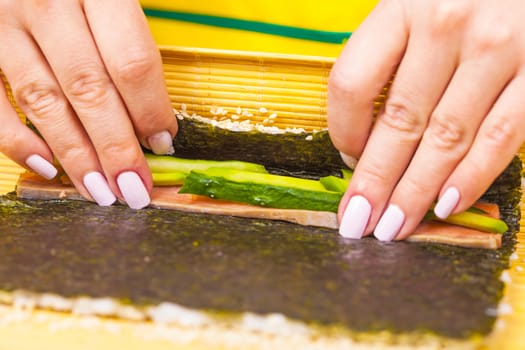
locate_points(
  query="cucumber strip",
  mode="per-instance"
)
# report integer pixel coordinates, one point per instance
(334, 183)
(472, 218)
(174, 178)
(169, 164)
(250, 183)
(268, 190)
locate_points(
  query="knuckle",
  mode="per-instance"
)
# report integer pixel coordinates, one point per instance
(418, 188)
(118, 148)
(499, 132)
(484, 40)
(398, 116)
(445, 133)
(342, 85)
(136, 68)
(73, 150)
(70, 152)
(88, 86)
(12, 140)
(375, 176)
(449, 15)
(38, 100)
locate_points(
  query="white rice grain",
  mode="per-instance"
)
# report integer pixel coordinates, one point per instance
(170, 313)
(55, 302)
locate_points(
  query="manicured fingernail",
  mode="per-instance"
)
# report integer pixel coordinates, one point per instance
(355, 217)
(348, 160)
(447, 203)
(390, 223)
(133, 190)
(41, 166)
(98, 188)
(161, 143)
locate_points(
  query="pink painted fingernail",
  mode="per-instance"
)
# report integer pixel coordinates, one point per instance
(161, 143)
(41, 166)
(133, 190)
(355, 217)
(446, 204)
(98, 188)
(390, 223)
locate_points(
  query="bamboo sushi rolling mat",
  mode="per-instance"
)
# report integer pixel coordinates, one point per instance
(274, 90)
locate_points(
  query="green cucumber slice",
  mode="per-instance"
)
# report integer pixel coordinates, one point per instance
(169, 164)
(268, 190)
(334, 183)
(174, 178)
(471, 218)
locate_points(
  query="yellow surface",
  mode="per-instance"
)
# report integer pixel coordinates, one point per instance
(294, 89)
(9, 172)
(189, 34)
(330, 15)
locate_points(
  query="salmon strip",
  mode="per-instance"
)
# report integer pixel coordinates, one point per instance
(34, 187)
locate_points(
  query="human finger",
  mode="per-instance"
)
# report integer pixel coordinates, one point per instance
(497, 141)
(74, 58)
(417, 87)
(134, 64)
(468, 98)
(38, 95)
(359, 75)
(21, 144)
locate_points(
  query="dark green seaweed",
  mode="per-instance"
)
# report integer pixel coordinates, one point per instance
(230, 264)
(234, 264)
(288, 153)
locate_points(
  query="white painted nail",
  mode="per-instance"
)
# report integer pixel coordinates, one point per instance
(446, 204)
(390, 223)
(355, 217)
(98, 188)
(133, 190)
(41, 166)
(161, 143)
(350, 161)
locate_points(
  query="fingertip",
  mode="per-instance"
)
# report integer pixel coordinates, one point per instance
(355, 217)
(447, 202)
(41, 166)
(390, 223)
(97, 186)
(19, 143)
(161, 143)
(133, 190)
(350, 161)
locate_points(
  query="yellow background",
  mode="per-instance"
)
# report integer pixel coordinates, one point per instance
(329, 15)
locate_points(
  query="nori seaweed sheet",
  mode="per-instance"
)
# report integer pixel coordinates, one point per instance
(234, 264)
(288, 153)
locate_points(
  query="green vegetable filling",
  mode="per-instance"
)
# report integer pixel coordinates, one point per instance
(250, 183)
(275, 191)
